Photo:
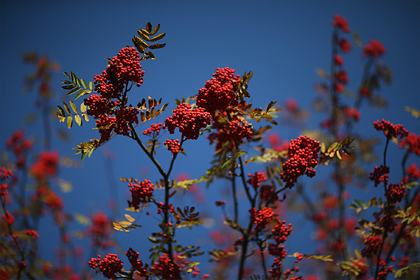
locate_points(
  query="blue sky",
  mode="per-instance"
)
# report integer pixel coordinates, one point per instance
(282, 42)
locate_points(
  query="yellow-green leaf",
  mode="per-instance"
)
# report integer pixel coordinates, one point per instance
(69, 122)
(78, 120)
(67, 108)
(85, 117)
(61, 110)
(73, 106)
(83, 108)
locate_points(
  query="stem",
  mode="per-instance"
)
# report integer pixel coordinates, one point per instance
(250, 225)
(384, 235)
(235, 199)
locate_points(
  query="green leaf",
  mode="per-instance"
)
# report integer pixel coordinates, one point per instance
(67, 108)
(85, 117)
(73, 106)
(326, 258)
(73, 77)
(76, 89)
(61, 110)
(68, 87)
(80, 93)
(69, 122)
(91, 86)
(84, 83)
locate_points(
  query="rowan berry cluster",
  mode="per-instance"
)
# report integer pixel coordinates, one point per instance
(5, 173)
(173, 145)
(20, 146)
(99, 105)
(280, 234)
(218, 93)
(352, 113)
(140, 193)
(267, 193)
(373, 243)
(395, 193)
(374, 49)
(188, 121)
(109, 266)
(412, 142)
(166, 268)
(262, 217)
(413, 172)
(256, 179)
(229, 134)
(122, 69)
(100, 230)
(135, 262)
(154, 130)
(303, 157)
(8, 218)
(46, 165)
(341, 23)
(391, 130)
(379, 174)
(32, 233)
(344, 45)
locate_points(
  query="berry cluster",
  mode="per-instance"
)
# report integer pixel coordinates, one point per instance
(374, 49)
(262, 218)
(140, 193)
(109, 266)
(379, 174)
(188, 121)
(373, 243)
(413, 172)
(303, 157)
(32, 233)
(352, 113)
(166, 268)
(100, 230)
(395, 193)
(218, 93)
(173, 145)
(391, 130)
(412, 142)
(255, 179)
(267, 193)
(99, 106)
(8, 218)
(135, 262)
(344, 45)
(341, 23)
(280, 234)
(230, 134)
(47, 165)
(154, 130)
(122, 69)
(19, 145)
